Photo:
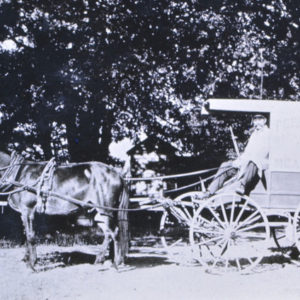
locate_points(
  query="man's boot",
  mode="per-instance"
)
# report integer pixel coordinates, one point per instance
(203, 195)
(240, 189)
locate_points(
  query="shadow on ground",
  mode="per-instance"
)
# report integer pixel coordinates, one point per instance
(144, 253)
(57, 259)
(147, 252)
(53, 260)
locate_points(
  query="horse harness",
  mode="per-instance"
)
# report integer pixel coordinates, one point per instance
(45, 185)
(44, 182)
(11, 172)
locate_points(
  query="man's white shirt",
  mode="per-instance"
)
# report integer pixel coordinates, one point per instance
(257, 149)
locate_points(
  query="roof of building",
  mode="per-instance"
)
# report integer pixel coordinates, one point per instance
(152, 143)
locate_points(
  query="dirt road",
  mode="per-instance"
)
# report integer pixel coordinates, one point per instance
(67, 273)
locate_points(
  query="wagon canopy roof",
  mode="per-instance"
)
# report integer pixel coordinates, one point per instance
(284, 124)
(249, 105)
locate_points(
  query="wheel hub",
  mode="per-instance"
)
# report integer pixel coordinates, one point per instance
(229, 233)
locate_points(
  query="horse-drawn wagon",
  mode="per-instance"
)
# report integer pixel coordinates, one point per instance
(225, 232)
(230, 231)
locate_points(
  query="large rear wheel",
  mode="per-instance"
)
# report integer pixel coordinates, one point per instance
(229, 233)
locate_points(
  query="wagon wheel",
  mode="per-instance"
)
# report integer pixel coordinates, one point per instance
(175, 223)
(296, 227)
(229, 233)
(279, 237)
(283, 235)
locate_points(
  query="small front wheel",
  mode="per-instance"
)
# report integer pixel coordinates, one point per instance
(175, 223)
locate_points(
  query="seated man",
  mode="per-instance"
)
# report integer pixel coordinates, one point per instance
(250, 164)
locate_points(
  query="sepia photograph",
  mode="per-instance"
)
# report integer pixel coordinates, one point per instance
(150, 149)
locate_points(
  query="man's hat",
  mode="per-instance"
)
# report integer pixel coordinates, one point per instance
(258, 116)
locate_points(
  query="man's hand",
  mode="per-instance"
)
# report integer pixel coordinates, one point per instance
(236, 163)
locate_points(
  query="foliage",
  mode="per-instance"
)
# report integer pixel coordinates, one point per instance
(112, 68)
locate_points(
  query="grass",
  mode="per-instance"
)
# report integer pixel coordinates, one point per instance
(84, 237)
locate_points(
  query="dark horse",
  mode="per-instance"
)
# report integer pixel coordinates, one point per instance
(91, 184)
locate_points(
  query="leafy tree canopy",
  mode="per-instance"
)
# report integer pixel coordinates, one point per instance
(97, 71)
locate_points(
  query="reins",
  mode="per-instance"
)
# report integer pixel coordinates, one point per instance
(169, 176)
(49, 168)
(23, 188)
(189, 185)
(45, 194)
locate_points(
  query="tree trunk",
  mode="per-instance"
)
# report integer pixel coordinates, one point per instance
(44, 137)
(106, 138)
(73, 141)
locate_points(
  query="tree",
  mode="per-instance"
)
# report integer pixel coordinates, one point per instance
(109, 69)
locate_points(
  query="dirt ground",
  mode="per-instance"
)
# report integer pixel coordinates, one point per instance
(68, 273)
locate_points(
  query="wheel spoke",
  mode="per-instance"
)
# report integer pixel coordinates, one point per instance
(209, 241)
(232, 210)
(238, 264)
(257, 225)
(280, 237)
(178, 213)
(224, 248)
(189, 217)
(250, 260)
(214, 227)
(220, 242)
(203, 230)
(226, 265)
(224, 213)
(175, 243)
(216, 259)
(248, 220)
(204, 220)
(219, 257)
(216, 217)
(256, 219)
(242, 211)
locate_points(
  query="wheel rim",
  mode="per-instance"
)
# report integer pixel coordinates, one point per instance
(283, 236)
(278, 235)
(296, 227)
(229, 233)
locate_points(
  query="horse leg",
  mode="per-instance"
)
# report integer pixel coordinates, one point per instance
(30, 253)
(111, 241)
(118, 259)
(26, 256)
(100, 258)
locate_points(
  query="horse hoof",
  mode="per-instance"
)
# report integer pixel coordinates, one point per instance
(124, 268)
(106, 266)
(99, 260)
(31, 267)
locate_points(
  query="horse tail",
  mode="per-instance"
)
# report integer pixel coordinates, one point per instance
(126, 170)
(123, 222)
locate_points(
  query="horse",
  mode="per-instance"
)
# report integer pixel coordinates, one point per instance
(72, 189)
